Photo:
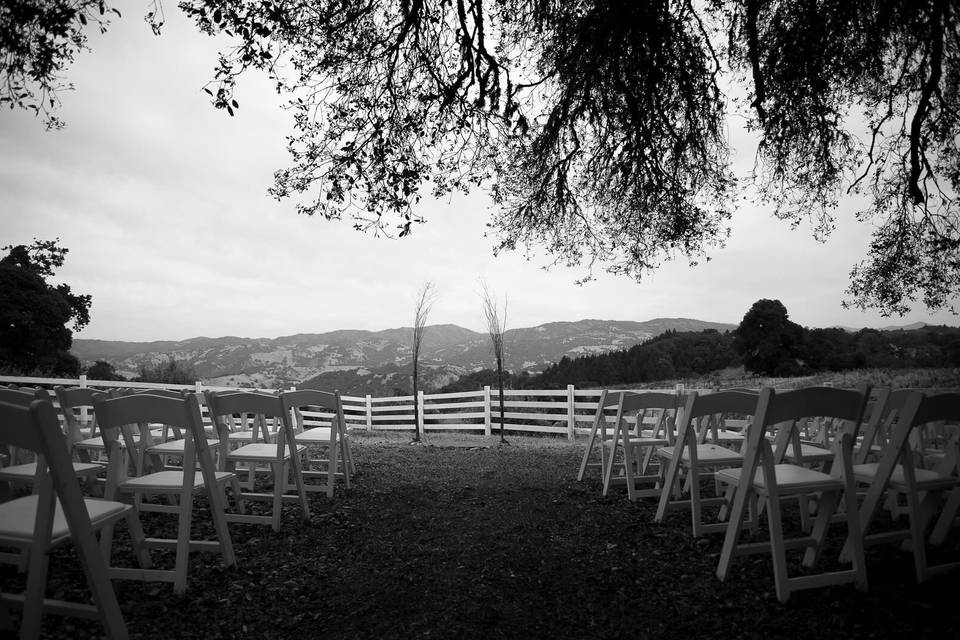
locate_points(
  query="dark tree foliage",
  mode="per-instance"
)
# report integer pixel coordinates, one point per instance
(768, 342)
(37, 41)
(670, 355)
(34, 336)
(103, 370)
(170, 372)
(599, 126)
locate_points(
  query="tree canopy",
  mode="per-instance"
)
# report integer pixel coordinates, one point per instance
(34, 336)
(599, 126)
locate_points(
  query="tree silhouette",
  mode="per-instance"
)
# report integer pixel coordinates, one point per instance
(599, 126)
(496, 320)
(424, 303)
(34, 336)
(768, 341)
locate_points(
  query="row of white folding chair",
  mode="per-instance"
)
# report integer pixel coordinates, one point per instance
(932, 495)
(773, 479)
(242, 429)
(924, 488)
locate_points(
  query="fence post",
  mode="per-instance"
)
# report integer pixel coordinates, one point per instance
(84, 411)
(198, 387)
(486, 411)
(369, 413)
(571, 413)
(419, 401)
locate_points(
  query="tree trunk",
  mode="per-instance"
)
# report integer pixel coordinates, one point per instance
(500, 385)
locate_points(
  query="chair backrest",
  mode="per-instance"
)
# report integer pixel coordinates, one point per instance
(881, 418)
(664, 404)
(72, 400)
(223, 404)
(715, 407)
(294, 402)
(786, 410)
(917, 412)
(21, 397)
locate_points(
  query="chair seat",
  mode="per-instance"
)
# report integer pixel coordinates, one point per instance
(926, 479)
(175, 446)
(811, 453)
(641, 441)
(26, 472)
(316, 435)
(730, 436)
(714, 454)
(17, 518)
(260, 451)
(790, 478)
(167, 481)
(241, 436)
(707, 454)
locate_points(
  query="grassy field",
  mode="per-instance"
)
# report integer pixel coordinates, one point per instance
(460, 538)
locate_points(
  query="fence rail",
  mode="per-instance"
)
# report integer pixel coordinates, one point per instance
(561, 412)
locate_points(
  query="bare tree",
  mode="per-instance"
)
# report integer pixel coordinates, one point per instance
(496, 325)
(425, 300)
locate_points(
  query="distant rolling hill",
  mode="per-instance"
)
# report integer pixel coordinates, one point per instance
(377, 362)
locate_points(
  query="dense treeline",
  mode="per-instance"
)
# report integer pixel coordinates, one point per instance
(670, 355)
(674, 355)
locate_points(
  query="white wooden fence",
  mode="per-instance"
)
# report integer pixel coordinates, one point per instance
(559, 412)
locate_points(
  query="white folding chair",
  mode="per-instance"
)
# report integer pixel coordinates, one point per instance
(691, 459)
(763, 475)
(637, 443)
(121, 417)
(280, 458)
(339, 456)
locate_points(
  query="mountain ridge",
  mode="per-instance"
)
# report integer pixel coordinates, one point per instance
(448, 351)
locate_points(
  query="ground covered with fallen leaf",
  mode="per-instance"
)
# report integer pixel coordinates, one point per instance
(461, 538)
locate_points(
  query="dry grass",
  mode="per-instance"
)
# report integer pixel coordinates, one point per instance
(461, 539)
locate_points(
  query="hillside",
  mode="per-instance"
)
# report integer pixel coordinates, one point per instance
(376, 362)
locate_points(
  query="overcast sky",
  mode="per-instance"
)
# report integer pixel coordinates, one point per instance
(162, 201)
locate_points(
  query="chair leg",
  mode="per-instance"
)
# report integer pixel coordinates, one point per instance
(279, 483)
(668, 484)
(183, 543)
(734, 526)
(828, 504)
(36, 586)
(778, 552)
(917, 539)
(947, 517)
(332, 470)
(139, 540)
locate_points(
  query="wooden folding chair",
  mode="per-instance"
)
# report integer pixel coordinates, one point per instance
(692, 459)
(339, 461)
(900, 469)
(638, 445)
(120, 417)
(23, 472)
(56, 513)
(280, 458)
(762, 475)
(606, 407)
